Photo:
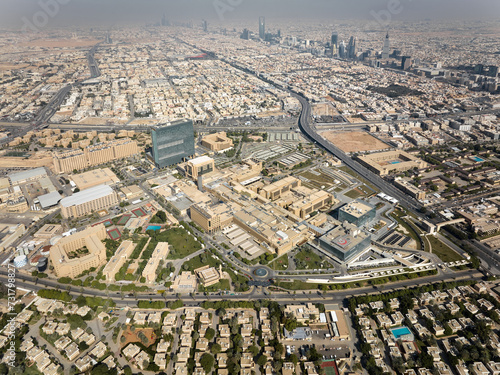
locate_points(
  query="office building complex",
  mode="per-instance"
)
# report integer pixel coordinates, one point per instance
(217, 142)
(94, 155)
(346, 242)
(387, 46)
(199, 166)
(262, 28)
(357, 213)
(384, 163)
(172, 142)
(88, 201)
(79, 252)
(101, 176)
(276, 189)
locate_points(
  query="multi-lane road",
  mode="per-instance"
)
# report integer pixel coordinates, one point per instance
(29, 283)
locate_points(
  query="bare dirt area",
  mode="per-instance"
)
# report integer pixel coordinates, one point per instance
(7, 66)
(134, 336)
(355, 141)
(62, 43)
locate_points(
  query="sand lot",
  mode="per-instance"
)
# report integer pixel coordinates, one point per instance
(355, 141)
(62, 43)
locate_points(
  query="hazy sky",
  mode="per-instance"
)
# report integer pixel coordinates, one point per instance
(114, 12)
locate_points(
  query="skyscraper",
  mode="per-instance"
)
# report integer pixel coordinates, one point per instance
(387, 46)
(204, 25)
(262, 28)
(335, 43)
(342, 54)
(406, 62)
(352, 48)
(172, 142)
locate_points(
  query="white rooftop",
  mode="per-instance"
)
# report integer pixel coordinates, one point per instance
(87, 195)
(48, 200)
(200, 160)
(24, 175)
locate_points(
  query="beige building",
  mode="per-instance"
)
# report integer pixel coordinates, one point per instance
(94, 155)
(199, 166)
(302, 201)
(278, 188)
(121, 255)
(409, 188)
(88, 201)
(384, 163)
(217, 142)
(213, 218)
(101, 176)
(208, 275)
(48, 231)
(68, 258)
(132, 192)
(160, 252)
(184, 283)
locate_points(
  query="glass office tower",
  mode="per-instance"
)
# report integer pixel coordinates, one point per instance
(172, 142)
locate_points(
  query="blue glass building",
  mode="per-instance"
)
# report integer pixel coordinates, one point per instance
(172, 142)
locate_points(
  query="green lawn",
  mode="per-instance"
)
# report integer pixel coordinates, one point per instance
(180, 240)
(280, 264)
(307, 259)
(200, 261)
(443, 251)
(355, 193)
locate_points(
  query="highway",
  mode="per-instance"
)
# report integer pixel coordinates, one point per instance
(376, 180)
(29, 283)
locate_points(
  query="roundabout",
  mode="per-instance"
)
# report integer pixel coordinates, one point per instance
(261, 272)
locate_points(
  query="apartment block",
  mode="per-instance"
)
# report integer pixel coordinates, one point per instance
(88, 201)
(94, 155)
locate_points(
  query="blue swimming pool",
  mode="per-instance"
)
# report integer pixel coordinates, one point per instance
(394, 162)
(477, 158)
(400, 332)
(153, 227)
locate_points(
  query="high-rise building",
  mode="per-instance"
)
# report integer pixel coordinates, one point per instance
(387, 46)
(406, 63)
(262, 28)
(352, 48)
(245, 34)
(335, 43)
(204, 25)
(342, 48)
(172, 142)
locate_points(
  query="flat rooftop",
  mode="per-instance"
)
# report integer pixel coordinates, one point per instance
(356, 208)
(201, 160)
(87, 195)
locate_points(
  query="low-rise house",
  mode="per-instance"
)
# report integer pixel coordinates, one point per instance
(62, 343)
(154, 317)
(397, 318)
(224, 330)
(140, 318)
(394, 352)
(383, 320)
(434, 352)
(224, 343)
(454, 325)
(72, 351)
(99, 350)
(247, 361)
(202, 344)
(162, 346)
(494, 367)
(49, 328)
(142, 360)
(84, 363)
(478, 368)
(442, 368)
(109, 361)
(183, 354)
(131, 350)
(222, 360)
(63, 329)
(84, 310)
(76, 333)
(246, 330)
(160, 360)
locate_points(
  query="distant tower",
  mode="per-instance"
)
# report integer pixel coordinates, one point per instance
(245, 34)
(164, 20)
(387, 46)
(406, 63)
(204, 25)
(342, 50)
(335, 43)
(351, 48)
(262, 28)
(279, 33)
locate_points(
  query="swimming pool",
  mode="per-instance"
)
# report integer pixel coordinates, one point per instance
(401, 332)
(477, 158)
(153, 227)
